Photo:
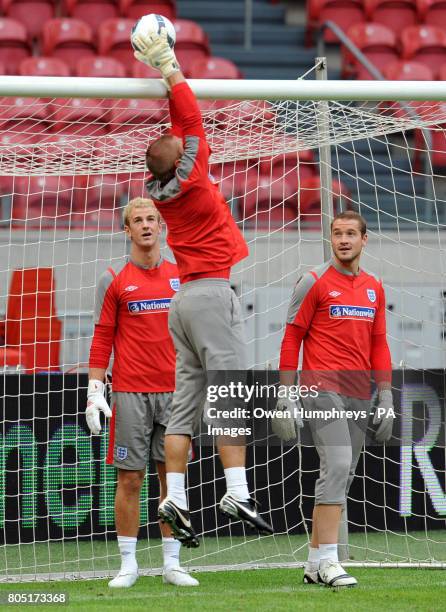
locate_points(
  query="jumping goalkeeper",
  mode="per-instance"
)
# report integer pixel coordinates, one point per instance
(205, 315)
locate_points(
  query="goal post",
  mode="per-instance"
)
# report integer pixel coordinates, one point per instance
(71, 155)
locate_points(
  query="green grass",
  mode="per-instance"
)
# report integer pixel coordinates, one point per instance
(280, 589)
(71, 557)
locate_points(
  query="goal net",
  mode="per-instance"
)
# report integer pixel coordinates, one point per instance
(67, 168)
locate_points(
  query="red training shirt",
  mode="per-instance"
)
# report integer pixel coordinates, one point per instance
(131, 311)
(202, 233)
(341, 319)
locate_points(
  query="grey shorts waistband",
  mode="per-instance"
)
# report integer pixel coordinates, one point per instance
(223, 282)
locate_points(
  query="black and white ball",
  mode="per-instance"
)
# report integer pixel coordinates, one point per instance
(152, 24)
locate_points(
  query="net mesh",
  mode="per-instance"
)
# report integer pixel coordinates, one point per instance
(67, 167)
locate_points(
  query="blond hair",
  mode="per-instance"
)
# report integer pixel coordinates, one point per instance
(138, 203)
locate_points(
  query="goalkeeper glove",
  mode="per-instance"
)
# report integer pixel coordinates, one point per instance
(285, 419)
(155, 51)
(96, 402)
(384, 416)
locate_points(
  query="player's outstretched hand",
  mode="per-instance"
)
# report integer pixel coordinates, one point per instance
(286, 419)
(154, 50)
(384, 416)
(96, 402)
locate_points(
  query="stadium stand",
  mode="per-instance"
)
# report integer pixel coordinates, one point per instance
(68, 39)
(134, 9)
(14, 44)
(377, 42)
(43, 66)
(31, 13)
(100, 66)
(394, 15)
(92, 12)
(113, 40)
(344, 14)
(432, 12)
(424, 44)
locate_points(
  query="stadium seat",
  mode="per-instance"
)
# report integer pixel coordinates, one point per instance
(408, 71)
(191, 44)
(309, 201)
(67, 39)
(134, 186)
(134, 9)
(93, 12)
(27, 116)
(128, 114)
(31, 13)
(99, 67)
(43, 66)
(14, 45)
(42, 201)
(424, 44)
(343, 13)
(377, 42)
(114, 41)
(293, 166)
(31, 324)
(395, 14)
(79, 116)
(96, 191)
(268, 204)
(433, 12)
(142, 71)
(437, 146)
(214, 68)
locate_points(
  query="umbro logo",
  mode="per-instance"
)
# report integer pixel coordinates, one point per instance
(131, 288)
(334, 293)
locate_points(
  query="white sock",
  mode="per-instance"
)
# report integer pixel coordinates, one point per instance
(171, 552)
(127, 548)
(176, 488)
(313, 560)
(328, 552)
(236, 483)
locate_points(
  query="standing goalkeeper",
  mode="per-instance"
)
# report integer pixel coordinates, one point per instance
(338, 311)
(205, 316)
(132, 305)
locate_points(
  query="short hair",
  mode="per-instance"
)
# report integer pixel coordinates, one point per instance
(351, 215)
(161, 156)
(138, 203)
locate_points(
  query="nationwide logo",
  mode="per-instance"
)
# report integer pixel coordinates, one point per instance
(359, 313)
(334, 293)
(131, 288)
(145, 306)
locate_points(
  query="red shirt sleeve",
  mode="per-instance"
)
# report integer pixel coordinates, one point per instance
(380, 359)
(289, 351)
(101, 347)
(379, 325)
(185, 113)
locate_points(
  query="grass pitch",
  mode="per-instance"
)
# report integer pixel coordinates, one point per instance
(421, 590)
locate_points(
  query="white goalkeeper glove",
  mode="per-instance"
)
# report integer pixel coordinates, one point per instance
(96, 402)
(155, 51)
(384, 416)
(285, 419)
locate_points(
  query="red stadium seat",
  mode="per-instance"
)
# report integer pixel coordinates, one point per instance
(99, 67)
(309, 200)
(31, 13)
(408, 71)
(93, 12)
(437, 146)
(43, 66)
(191, 44)
(293, 166)
(433, 12)
(424, 44)
(79, 116)
(269, 204)
(67, 39)
(135, 9)
(135, 186)
(395, 14)
(14, 45)
(42, 201)
(114, 41)
(214, 68)
(130, 114)
(442, 73)
(97, 191)
(233, 177)
(142, 71)
(377, 42)
(27, 116)
(343, 13)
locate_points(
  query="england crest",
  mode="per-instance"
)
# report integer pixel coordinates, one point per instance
(371, 294)
(121, 453)
(174, 283)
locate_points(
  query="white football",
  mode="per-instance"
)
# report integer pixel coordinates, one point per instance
(152, 24)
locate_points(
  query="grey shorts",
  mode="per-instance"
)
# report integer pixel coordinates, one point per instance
(338, 441)
(206, 327)
(137, 429)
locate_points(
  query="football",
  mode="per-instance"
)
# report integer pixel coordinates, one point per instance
(152, 23)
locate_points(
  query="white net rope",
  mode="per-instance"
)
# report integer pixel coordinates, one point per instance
(67, 167)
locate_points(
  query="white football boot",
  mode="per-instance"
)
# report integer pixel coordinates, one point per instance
(178, 577)
(332, 574)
